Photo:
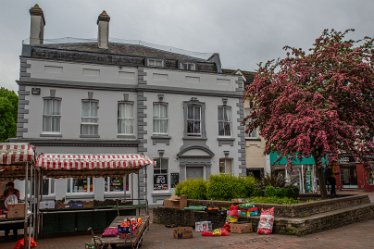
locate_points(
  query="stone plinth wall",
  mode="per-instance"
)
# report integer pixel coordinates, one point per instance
(312, 217)
(320, 222)
(298, 210)
(188, 218)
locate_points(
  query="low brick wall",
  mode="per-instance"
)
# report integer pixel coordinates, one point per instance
(298, 210)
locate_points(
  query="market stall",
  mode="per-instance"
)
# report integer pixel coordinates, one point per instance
(17, 162)
(78, 218)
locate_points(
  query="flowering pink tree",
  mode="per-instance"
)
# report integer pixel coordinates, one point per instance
(317, 103)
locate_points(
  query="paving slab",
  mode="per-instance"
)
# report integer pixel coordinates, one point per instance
(358, 235)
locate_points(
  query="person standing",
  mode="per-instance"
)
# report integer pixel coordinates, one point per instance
(10, 196)
(331, 178)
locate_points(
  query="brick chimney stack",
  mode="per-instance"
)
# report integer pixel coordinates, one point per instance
(37, 25)
(103, 26)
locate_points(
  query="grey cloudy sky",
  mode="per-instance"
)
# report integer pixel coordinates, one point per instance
(244, 32)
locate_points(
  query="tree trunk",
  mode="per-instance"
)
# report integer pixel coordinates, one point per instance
(321, 178)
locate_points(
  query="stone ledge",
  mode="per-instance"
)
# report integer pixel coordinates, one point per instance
(298, 210)
(282, 225)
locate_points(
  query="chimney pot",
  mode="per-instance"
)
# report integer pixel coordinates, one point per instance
(37, 25)
(103, 32)
(103, 17)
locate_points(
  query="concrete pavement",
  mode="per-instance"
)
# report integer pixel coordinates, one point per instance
(357, 236)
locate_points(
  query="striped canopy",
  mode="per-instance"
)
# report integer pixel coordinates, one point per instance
(16, 153)
(92, 162)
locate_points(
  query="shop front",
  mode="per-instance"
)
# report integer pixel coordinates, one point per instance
(369, 172)
(302, 173)
(348, 171)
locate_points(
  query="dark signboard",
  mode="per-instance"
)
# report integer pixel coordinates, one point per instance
(160, 182)
(174, 179)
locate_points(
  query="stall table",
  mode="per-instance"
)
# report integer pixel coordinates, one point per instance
(134, 242)
(89, 165)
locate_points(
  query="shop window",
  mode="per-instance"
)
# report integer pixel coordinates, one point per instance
(81, 185)
(115, 184)
(371, 177)
(48, 186)
(160, 174)
(225, 166)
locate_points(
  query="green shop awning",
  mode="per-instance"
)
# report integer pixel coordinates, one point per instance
(283, 161)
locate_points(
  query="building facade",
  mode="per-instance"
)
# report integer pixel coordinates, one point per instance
(100, 96)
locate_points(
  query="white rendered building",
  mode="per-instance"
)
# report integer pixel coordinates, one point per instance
(82, 96)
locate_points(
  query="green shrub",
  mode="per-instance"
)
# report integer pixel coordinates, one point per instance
(192, 188)
(292, 192)
(257, 191)
(274, 200)
(289, 192)
(251, 184)
(227, 187)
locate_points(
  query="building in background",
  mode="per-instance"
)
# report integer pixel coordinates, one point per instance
(257, 163)
(100, 96)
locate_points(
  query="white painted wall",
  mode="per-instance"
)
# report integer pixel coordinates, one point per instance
(176, 132)
(41, 69)
(71, 108)
(190, 79)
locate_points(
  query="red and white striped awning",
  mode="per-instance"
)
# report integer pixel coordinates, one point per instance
(87, 162)
(16, 153)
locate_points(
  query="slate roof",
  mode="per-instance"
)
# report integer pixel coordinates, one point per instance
(249, 76)
(123, 49)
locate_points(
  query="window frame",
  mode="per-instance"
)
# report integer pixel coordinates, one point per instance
(248, 135)
(131, 119)
(159, 164)
(224, 108)
(188, 66)
(160, 119)
(107, 190)
(150, 61)
(53, 99)
(90, 117)
(194, 101)
(51, 182)
(89, 182)
(225, 159)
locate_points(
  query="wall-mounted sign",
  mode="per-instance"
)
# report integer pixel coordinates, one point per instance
(160, 182)
(174, 179)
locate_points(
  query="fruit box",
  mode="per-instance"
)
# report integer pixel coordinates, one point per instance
(183, 233)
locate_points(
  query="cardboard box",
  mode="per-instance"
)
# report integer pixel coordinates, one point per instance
(203, 226)
(16, 211)
(241, 228)
(176, 202)
(183, 233)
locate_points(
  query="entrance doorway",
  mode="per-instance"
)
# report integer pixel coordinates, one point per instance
(195, 172)
(349, 176)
